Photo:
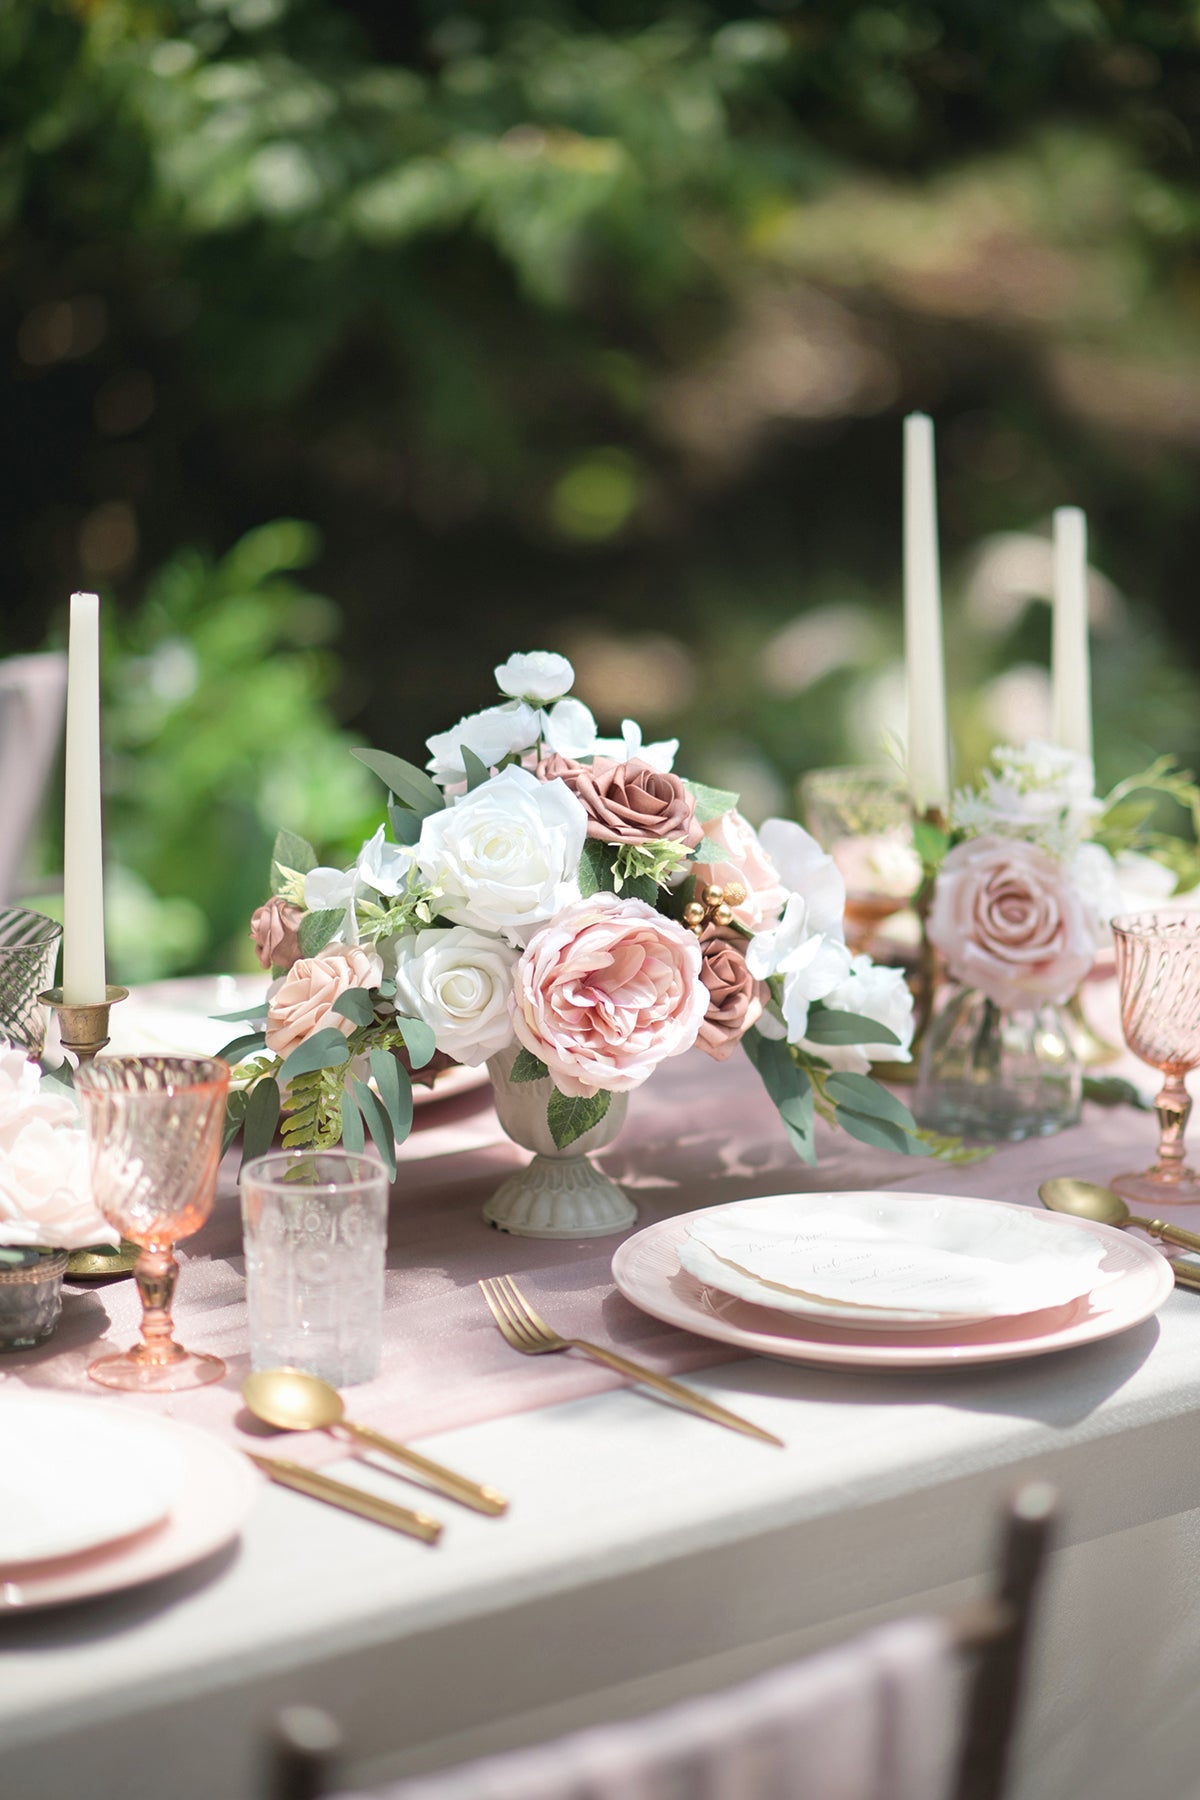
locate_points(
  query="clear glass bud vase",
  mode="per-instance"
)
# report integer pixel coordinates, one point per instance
(986, 1073)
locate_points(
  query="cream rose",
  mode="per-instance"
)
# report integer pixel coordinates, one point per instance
(302, 1003)
(1009, 921)
(505, 858)
(607, 992)
(459, 982)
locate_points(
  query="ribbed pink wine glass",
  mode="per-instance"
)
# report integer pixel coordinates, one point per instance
(1158, 968)
(155, 1125)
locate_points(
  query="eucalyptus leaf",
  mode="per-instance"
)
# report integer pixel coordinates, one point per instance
(356, 1005)
(242, 1047)
(353, 1137)
(710, 802)
(377, 1122)
(862, 1095)
(528, 1067)
(1112, 1090)
(405, 824)
(325, 1049)
(247, 1012)
(395, 1090)
(826, 1025)
(477, 771)
(263, 1106)
(292, 852)
(318, 928)
(569, 1116)
(419, 1040)
(235, 1116)
(411, 786)
(930, 843)
(880, 1133)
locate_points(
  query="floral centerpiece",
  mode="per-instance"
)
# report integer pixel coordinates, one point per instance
(1020, 908)
(46, 1203)
(573, 912)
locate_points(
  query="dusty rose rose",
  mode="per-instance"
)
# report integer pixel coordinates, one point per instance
(606, 992)
(274, 928)
(745, 861)
(627, 802)
(735, 998)
(1009, 921)
(301, 1003)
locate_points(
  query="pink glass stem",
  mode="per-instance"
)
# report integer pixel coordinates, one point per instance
(156, 1273)
(1173, 1105)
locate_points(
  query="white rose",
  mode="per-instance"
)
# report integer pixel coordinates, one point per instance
(538, 675)
(805, 869)
(629, 747)
(569, 729)
(459, 982)
(875, 993)
(46, 1191)
(493, 734)
(25, 1096)
(809, 963)
(505, 858)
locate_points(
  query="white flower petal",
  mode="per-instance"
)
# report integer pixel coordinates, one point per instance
(569, 729)
(537, 675)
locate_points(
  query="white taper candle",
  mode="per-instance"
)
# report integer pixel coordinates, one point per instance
(83, 867)
(1070, 659)
(928, 746)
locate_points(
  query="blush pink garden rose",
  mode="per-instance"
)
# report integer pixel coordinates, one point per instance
(1009, 921)
(744, 860)
(301, 1003)
(607, 991)
(628, 802)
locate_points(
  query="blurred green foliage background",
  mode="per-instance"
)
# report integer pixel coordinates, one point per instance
(348, 345)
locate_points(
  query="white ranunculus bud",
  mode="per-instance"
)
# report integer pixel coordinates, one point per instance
(537, 675)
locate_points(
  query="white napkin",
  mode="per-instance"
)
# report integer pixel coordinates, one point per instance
(923, 1255)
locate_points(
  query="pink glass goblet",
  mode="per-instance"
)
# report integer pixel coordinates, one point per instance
(1158, 969)
(155, 1125)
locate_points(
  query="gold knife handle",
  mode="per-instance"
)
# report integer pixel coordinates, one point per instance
(1173, 1234)
(442, 1480)
(349, 1499)
(1187, 1275)
(696, 1403)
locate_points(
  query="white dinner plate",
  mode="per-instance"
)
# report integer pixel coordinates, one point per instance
(1136, 1281)
(217, 1490)
(74, 1476)
(904, 1261)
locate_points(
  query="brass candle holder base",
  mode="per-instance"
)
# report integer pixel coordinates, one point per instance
(83, 1030)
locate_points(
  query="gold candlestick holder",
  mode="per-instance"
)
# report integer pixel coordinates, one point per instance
(83, 1030)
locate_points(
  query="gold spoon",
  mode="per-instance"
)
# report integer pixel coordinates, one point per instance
(1088, 1200)
(296, 1401)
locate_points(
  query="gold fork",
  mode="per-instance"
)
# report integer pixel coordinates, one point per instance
(526, 1332)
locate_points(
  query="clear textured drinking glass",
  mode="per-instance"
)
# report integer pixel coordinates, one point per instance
(315, 1225)
(863, 819)
(28, 954)
(155, 1126)
(1158, 969)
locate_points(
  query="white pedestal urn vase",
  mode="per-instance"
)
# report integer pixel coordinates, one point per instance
(560, 1194)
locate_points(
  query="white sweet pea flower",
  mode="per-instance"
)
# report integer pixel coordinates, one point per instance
(569, 729)
(805, 869)
(629, 748)
(809, 963)
(873, 992)
(537, 675)
(459, 982)
(493, 734)
(333, 890)
(505, 858)
(384, 867)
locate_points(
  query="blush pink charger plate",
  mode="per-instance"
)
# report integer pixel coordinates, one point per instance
(216, 1490)
(1136, 1281)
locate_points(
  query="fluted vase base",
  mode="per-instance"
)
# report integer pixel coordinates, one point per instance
(560, 1197)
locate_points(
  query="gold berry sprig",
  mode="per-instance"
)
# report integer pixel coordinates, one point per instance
(714, 906)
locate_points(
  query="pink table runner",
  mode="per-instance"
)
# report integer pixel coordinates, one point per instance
(697, 1135)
